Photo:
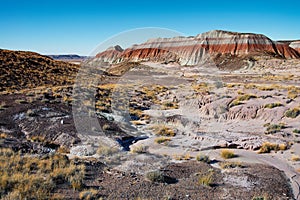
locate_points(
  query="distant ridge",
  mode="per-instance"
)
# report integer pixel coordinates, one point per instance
(218, 45)
(67, 57)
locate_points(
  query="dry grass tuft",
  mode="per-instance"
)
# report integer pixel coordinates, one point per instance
(104, 150)
(162, 140)
(29, 177)
(138, 149)
(267, 147)
(295, 158)
(206, 179)
(230, 165)
(246, 97)
(227, 154)
(163, 130)
(88, 194)
(273, 105)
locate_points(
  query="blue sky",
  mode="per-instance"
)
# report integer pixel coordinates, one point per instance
(70, 26)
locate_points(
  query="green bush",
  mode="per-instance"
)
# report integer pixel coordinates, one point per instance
(274, 128)
(292, 113)
(296, 131)
(246, 97)
(273, 105)
(203, 158)
(155, 176)
(235, 103)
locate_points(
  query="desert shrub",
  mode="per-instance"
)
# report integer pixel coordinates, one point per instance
(292, 93)
(273, 105)
(295, 158)
(235, 103)
(155, 176)
(266, 96)
(67, 99)
(292, 113)
(21, 101)
(136, 114)
(57, 196)
(76, 181)
(267, 87)
(200, 87)
(90, 194)
(177, 157)
(106, 150)
(187, 156)
(274, 128)
(37, 138)
(240, 92)
(296, 131)
(219, 84)
(231, 85)
(159, 177)
(106, 127)
(267, 147)
(63, 150)
(259, 198)
(3, 106)
(3, 135)
(163, 130)
(206, 179)
(45, 101)
(229, 165)
(138, 149)
(282, 147)
(169, 105)
(28, 177)
(203, 158)
(161, 140)
(31, 113)
(137, 122)
(227, 154)
(246, 97)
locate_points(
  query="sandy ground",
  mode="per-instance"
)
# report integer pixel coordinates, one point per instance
(199, 132)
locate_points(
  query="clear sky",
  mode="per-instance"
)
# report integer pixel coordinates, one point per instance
(70, 26)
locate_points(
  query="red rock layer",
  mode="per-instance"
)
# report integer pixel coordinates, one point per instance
(194, 50)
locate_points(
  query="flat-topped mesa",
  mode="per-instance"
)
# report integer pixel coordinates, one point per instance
(244, 43)
(198, 49)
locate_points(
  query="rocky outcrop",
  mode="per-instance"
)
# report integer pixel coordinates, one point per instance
(201, 48)
(111, 54)
(295, 45)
